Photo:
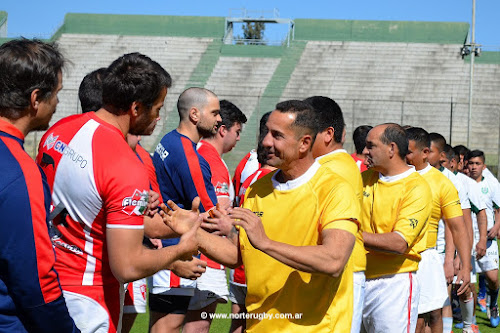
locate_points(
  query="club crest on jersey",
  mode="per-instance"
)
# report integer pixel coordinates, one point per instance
(485, 190)
(222, 188)
(50, 141)
(135, 204)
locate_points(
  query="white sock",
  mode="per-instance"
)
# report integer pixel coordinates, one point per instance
(467, 308)
(447, 324)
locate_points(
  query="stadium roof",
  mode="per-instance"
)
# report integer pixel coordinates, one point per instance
(305, 29)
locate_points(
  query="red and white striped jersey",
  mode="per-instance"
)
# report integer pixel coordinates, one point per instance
(97, 183)
(247, 166)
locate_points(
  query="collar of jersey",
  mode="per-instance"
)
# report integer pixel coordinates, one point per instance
(93, 116)
(294, 183)
(10, 129)
(331, 153)
(390, 179)
(425, 170)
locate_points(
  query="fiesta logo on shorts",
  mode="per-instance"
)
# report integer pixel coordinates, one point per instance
(136, 204)
(222, 188)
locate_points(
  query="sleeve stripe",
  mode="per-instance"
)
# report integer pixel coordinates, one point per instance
(197, 175)
(45, 257)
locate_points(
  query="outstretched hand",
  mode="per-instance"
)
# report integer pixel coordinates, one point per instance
(188, 242)
(252, 224)
(178, 219)
(218, 222)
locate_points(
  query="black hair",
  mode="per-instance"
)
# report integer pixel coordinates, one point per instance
(90, 91)
(461, 150)
(449, 152)
(395, 133)
(261, 151)
(359, 137)
(329, 115)
(26, 65)
(305, 118)
(420, 136)
(473, 154)
(133, 77)
(231, 114)
(438, 140)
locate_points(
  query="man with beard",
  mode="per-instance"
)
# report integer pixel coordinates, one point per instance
(100, 195)
(183, 174)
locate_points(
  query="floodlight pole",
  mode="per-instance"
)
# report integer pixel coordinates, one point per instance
(472, 55)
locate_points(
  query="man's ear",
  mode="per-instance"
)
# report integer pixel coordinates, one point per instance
(35, 99)
(222, 130)
(135, 109)
(329, 135)
(194, 114)
(392, 149)
(305, 143)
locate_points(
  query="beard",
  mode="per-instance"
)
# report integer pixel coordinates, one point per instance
(206, 131)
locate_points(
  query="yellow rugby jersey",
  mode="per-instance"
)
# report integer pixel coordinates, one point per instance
(445, 203)
(297, 216)
(403, 206)
(340, 162)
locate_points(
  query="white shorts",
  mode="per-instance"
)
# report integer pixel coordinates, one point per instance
(135, 297)
(391, 303)
(490, 260)
(161, 282)
(433, 287)
(211, 286)
(87, 313)
(359, 297)
(237, 293)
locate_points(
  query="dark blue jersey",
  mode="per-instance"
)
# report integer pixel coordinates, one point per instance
(182, 173)
(30, 294)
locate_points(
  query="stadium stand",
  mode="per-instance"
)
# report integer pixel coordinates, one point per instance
(378, 71)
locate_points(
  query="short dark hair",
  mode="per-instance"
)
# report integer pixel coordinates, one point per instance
(329, 114)
(192, 97)
(395, 133)
(133, 77)
(475, 153)
(261, 151)
(231, 114)
(449, 152)
(305, 118)
(420, 136)
(461, 150)
(26, 65)
(359, 137)
(90, 91)
(438, 140)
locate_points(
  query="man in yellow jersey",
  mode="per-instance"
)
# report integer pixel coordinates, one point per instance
(445, 204)
(296, 234)
(328, 150)
(395, 208)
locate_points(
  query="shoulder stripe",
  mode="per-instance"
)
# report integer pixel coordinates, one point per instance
(197, 175)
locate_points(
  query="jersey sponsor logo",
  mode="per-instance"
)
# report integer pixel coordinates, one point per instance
(366, 194)
(73, 248)
(75, 157)
(135, 204)
(50, 141)
(413, 223)
(222, 188)
(259, 214)
(161, 151)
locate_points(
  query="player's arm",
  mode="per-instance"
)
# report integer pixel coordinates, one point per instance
(329, 257)
(387, 242)
(409, 225)
(130, 261)
(482, 226)
(224, 250)
(155, 228)
(493, 232)
(449, 254)
(27, 273)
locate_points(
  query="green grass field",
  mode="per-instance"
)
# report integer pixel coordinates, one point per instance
(222, 325)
